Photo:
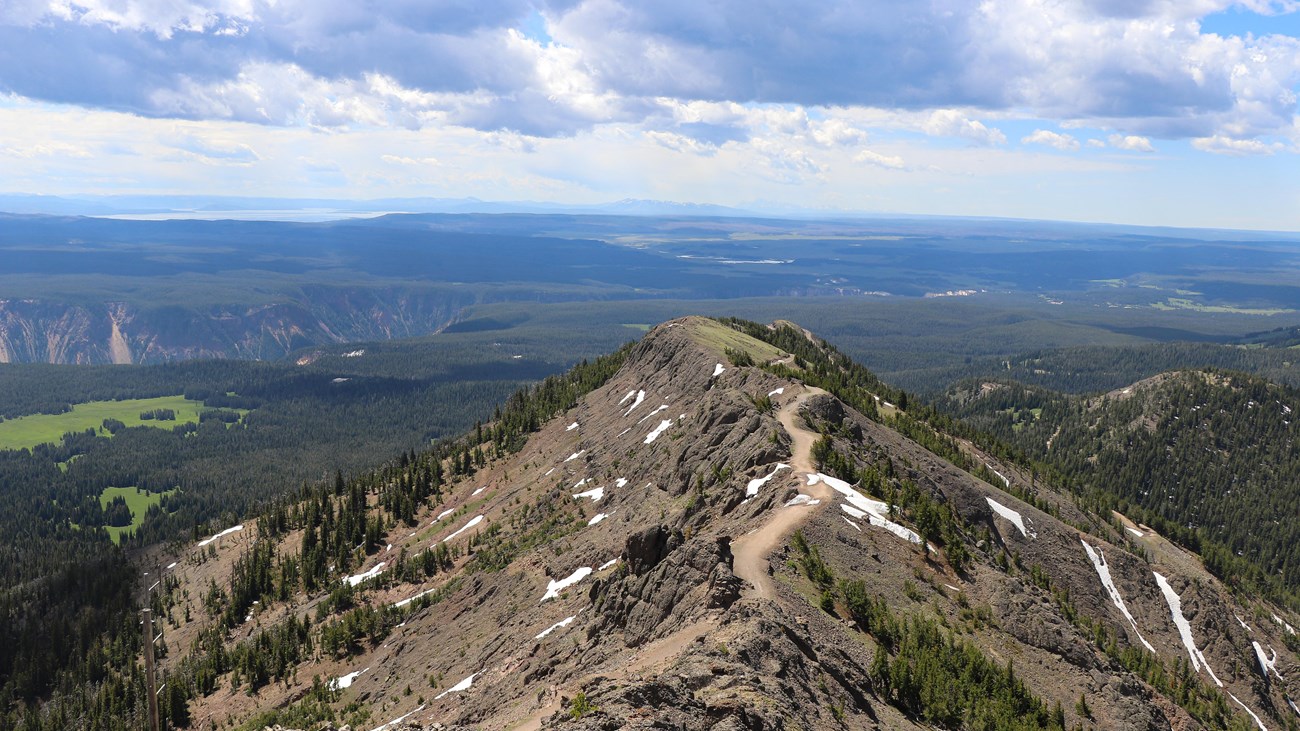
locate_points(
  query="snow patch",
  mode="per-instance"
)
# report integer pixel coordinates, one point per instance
(397, 720)
(354, 353)
(223, 534)
(663, 426)
(1258, 722)
(171, 565)
(647, 417)
(607, 564)
(640, 396)
(571, 427)
(597, 518)
(876, 512)
(1266, 664)
(558, 625)
(1134, 531)
(1005, 481)
(475, 521)
(752, 488)
(442, 515)
(625, 431)
(548, 472)
(340, 380)
(1103, 571)
(1185, 628)
(1281, 623)
(404, 602)
(344, 681)
(626, 398)
(481, 489)
(1012, 516)
(776, 392)
(575, 455)
(717, 370)
(855, 525)
(801, 499)
(580, 483)
(376, 570)
(620, 482)
(554, 588)
(595, 494)
(1242, 622)
(460, 687)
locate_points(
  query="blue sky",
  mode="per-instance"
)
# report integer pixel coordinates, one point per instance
(1171, 112)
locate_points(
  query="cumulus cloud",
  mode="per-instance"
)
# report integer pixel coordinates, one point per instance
(1060, 141)
(716, 73)
(1221, 145)
(1131, 143)
(952, 123)
(890, 162)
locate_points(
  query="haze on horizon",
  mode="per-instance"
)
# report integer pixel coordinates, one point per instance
(1151, 112)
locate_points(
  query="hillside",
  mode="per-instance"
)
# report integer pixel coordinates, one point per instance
(1208, 457)
(727, 526)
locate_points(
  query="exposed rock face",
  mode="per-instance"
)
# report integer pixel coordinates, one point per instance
(647, 603)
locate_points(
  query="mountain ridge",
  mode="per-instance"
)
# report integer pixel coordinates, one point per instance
(760, 596)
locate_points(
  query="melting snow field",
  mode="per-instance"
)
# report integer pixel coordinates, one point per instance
(595, 494)
(802, 499)
(1265, 664)
(861, 506)
(663, 426)
(344, 681)
(222, 534)
(399, 719)
(1185, 628)
(640, 396)
(477, 519)
(1103, 571)
(1005, 481)
(554, 588)
(404, 602)
(558, 625)
(717, 370)
(571, 427)
(460, 687)
(1012, 516)
(754, 485)
(373, 572)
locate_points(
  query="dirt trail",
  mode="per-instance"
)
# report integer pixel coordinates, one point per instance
(751, 550)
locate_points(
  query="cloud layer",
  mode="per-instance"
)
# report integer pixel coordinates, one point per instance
(1135, 68)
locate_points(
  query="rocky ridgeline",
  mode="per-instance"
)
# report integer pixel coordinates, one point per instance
(677, 596)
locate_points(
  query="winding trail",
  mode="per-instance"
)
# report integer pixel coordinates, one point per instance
(751, 550)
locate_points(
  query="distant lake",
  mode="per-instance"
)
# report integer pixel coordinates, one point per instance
(304, 215)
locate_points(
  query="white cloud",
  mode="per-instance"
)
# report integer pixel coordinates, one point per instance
(403, 160)
(1221, 145)
(1060, 141)
(1095, 143)
(952, 123)
(891, 162)
(1131, 143)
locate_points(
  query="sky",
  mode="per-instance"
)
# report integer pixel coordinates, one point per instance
(1161, 112)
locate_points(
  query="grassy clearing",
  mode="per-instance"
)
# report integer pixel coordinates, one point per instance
(718, 337)
(137, 500)
(1181, 303)
(29, 431)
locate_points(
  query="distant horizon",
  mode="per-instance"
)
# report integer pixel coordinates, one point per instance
(320, 210)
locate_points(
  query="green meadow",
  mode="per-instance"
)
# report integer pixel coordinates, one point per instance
(137, 500)
(29, 431)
